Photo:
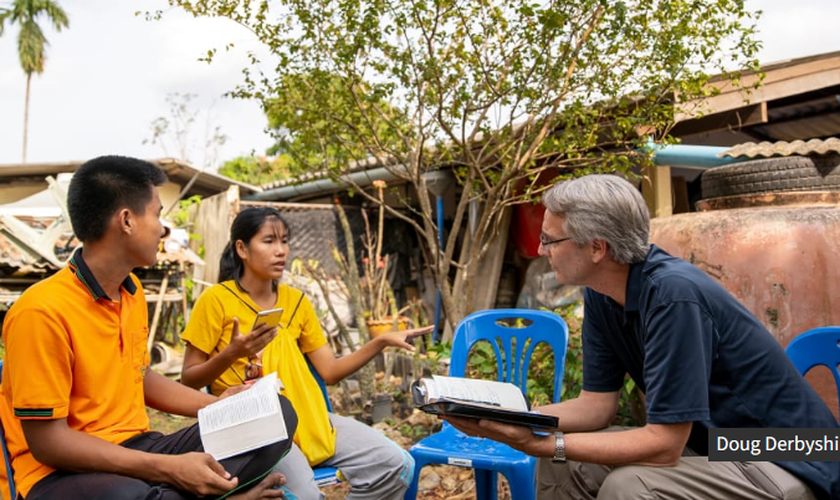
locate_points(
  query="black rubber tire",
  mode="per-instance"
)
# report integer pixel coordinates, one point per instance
(773, 175)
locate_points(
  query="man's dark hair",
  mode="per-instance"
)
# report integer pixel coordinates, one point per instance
(104, 185)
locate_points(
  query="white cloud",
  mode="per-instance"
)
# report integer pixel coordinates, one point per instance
(796, 28)
(107, 76)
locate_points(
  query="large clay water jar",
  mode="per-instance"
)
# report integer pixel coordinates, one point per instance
(776, 252)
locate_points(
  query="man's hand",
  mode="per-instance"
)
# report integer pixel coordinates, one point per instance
(234, 389)
(199, 474)
(251, 344)
(516, 436)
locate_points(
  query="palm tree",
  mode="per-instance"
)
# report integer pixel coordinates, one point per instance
(32, 43)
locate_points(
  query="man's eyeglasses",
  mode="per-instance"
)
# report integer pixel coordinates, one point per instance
(546, 243)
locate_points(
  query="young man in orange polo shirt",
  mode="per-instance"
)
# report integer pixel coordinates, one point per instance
(76, 383)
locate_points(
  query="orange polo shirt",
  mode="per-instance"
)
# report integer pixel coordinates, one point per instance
(73, 353)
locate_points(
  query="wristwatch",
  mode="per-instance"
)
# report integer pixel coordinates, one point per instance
(559, 448)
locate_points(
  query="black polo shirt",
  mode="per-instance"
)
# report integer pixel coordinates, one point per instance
(699, 356)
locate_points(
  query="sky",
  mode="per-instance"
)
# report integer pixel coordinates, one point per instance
(108, 77)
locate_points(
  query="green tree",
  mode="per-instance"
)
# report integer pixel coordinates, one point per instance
(258, 170)
(32, 44)
(499, 91)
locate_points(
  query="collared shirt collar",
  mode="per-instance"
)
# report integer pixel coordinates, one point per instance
(79, 267)
(634, 285)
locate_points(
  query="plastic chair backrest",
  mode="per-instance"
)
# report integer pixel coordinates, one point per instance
(513, 345)
(7, 458)
(818, 346)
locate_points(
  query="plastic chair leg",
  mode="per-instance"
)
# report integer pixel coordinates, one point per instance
(522, 485)
(419, 463)
(486, 484)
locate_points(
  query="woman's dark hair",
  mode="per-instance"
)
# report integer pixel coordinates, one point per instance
(245, 226)
(104, 185)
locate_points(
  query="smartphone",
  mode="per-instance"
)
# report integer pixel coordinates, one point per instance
(270, 317)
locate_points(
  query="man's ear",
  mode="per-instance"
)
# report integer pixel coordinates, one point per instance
(599, 251)
(125, 221)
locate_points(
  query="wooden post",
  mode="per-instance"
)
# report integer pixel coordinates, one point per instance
(156, 315)
(656, 190)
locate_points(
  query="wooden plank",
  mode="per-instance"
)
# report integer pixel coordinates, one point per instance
(158, 308)
(487, 281)
(785, 81)
(213, 219)
(753, 114)
(680, 193)
(656, 190)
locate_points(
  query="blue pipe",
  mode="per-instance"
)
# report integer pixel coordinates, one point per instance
(438, 302)
(687, 156)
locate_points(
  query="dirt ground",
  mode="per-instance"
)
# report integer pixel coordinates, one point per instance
(437, 482)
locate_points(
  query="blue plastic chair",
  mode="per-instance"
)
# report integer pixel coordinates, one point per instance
(818, 346)
(324, 476)
(7, 458)
(513, 347)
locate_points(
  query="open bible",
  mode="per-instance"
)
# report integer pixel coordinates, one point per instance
(245, 421)
(472, 398)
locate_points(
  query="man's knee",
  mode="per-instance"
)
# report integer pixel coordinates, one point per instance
(569, 480)
(625, 483)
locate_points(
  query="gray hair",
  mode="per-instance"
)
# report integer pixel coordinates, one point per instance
(603, 207)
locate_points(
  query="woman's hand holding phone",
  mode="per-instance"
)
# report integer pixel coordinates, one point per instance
(251, 345)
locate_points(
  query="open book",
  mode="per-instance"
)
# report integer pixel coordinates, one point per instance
(472, 398)
(245, 421)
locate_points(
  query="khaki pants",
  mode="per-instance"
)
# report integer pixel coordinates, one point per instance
(693, 478)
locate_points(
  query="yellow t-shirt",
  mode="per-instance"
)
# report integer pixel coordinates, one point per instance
(209, 330)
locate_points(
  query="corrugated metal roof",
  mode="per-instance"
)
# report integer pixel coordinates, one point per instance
(356, 166)
(205, 183)
(783, 148)
(22, 260)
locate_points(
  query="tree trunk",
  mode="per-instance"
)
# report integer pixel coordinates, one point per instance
(367, 374)
(26, 115)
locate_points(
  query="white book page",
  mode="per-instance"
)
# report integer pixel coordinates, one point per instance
(259, 401)
(490, 392)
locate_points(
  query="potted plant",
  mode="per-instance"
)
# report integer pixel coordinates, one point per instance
(375, 298)
(369, 293)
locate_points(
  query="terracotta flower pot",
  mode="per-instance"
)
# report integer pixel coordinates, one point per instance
(377, 327)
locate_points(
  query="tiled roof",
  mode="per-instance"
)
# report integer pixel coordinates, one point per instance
(784, 148)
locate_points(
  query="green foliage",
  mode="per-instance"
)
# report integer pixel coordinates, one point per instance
(482, 363)
(573, 375)
(499, 91)
(32, 43)
(414, 432)
(181, 218)
(540, 384)
(307, 135)
(259, 170)
(428, 359)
